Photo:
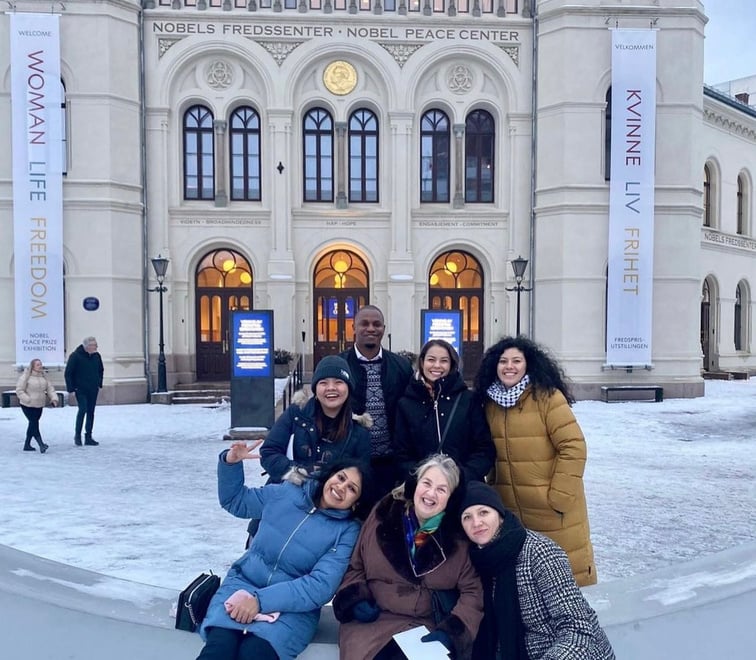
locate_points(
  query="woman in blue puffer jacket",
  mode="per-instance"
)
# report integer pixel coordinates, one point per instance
(268, 605)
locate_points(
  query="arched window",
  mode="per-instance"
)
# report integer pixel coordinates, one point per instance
(434, 157)
(738, 320)
(244, 136)
(199, 174)
(608, 136)
(363, 156)
(318, 156)
(707, 196)
(479, 157)
(742, 216)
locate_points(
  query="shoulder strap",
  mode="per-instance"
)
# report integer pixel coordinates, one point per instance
(449, 421)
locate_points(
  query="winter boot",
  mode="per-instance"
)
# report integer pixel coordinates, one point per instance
(89, 440)
(27, 445)
(77, 439)
(42, 445)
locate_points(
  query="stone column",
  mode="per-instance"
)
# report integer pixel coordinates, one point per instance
(220, 161)
(341, 155)
(459, 166)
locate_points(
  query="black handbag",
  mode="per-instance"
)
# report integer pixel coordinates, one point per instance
(443, 602)
(194, 600)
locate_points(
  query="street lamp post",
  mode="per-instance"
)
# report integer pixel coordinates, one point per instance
(518, 266)
(160, 265)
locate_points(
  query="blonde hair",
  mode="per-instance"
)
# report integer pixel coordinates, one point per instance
(446, 464)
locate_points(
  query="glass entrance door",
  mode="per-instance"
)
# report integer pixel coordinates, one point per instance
(341, 281)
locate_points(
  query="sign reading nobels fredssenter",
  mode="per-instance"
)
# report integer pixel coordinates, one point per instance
(37, 187)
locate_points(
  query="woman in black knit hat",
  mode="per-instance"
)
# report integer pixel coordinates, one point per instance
(533, 608)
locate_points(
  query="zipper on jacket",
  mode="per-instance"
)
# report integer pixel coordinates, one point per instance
(288, 540)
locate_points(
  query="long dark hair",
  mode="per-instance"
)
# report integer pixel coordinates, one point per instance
(366, 498)
(343, 419)
(543, 370)
(453, 357)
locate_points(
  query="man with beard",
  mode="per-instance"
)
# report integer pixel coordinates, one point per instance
(380, 378)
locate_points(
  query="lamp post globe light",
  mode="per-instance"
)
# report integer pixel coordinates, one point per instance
(160, 265)
(518, 267)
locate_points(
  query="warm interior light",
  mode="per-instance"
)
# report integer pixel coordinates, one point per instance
(341, 266)
(434, 279)
(451, 266)
(245, 278)
(228, 265)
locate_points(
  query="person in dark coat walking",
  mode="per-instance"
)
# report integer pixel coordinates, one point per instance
(534, 609)
(438, 414)
(84, 372)
(380, 378)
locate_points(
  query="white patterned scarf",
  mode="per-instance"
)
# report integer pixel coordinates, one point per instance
(507, 397)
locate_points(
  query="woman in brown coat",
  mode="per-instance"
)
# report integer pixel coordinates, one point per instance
(410, 546)
(540, 449)
(33, 390)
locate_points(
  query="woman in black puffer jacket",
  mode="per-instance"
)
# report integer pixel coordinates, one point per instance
(437, 414)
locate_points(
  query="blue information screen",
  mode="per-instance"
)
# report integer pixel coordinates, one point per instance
(443, 324)
(252, 343)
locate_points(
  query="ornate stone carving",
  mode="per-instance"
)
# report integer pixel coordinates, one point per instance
(460, 79)
(402, 50)
(512, 51)
(164, 43)
(219, 74)
(279, 50)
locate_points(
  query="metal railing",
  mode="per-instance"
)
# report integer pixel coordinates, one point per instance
(293, 382)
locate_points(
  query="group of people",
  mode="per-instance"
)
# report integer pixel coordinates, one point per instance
(83, 375)
(491, 571)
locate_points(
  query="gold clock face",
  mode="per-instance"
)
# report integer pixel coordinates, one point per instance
(340, 77)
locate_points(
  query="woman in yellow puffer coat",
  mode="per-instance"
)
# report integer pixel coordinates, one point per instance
(33, 390)
(540, 449)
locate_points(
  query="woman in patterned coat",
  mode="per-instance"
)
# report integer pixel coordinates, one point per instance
(534, 609)
(540, 449)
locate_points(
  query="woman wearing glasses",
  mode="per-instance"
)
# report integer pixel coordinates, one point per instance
(411, 551)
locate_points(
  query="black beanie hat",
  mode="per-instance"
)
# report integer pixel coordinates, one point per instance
(477, 492)
(332, 366)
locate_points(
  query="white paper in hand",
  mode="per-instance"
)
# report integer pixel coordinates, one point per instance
(414, 649)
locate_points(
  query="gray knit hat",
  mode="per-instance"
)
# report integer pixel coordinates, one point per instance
(332, 366)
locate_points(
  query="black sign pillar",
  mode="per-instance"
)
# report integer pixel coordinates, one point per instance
(252, 376)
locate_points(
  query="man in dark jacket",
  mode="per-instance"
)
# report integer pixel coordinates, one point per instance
(83, 375)
(380, 378)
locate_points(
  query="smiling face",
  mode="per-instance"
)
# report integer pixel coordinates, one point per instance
(368, 331)
(480, 523)
(511, 367)
(431, 495)
(342, 490)
(331, 393)
(36, 365)
(436, 363)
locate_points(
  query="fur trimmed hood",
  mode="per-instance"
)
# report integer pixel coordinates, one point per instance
(302, 397)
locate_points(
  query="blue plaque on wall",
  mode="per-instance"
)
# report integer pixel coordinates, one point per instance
(91, 303)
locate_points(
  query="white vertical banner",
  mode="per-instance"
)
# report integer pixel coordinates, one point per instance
(631, 199)
(37, 186)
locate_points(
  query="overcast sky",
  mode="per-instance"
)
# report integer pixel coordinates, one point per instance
(730, 46)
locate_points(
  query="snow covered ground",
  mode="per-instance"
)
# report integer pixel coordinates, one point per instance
(665, 482)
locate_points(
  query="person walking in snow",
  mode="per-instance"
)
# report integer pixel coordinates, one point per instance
(34, 390)
(84, 372)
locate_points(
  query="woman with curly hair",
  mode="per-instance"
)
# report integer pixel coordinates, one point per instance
(540, 449)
